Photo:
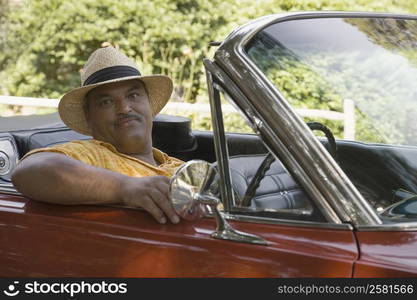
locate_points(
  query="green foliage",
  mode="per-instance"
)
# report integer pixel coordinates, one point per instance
(4, 10)
(51, 40)
(44, 43)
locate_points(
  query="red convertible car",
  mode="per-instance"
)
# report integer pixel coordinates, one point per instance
(280, 202)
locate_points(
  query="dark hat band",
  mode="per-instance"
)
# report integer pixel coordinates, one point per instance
(111, 73)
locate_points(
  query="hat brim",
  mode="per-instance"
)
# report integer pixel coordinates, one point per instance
(71, 105)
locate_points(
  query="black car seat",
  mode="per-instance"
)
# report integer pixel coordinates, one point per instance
(170, 134)
(277, 190)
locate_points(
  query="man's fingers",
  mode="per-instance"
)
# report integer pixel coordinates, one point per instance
(163, 201)
(149, 205)
(162, 183)
(161, 197)
(152, 194)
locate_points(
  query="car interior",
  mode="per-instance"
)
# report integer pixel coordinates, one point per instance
(246, 154)
(377, 170)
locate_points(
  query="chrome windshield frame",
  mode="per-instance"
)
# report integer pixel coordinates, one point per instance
(214, 73)
(220, 144)
(281, 120)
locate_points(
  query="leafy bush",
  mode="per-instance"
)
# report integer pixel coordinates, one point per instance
(48, 41)
(44, 43)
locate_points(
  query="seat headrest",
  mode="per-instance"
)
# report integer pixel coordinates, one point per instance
(173, 134)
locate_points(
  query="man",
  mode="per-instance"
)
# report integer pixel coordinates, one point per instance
(115, 105)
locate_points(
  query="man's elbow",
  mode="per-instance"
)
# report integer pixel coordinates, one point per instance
(21, 176)
(28, 175)
(16, 176)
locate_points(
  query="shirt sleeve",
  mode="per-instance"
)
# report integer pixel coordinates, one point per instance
(73, 149)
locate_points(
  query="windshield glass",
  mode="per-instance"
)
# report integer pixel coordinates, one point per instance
(328, 63)
(358, 76)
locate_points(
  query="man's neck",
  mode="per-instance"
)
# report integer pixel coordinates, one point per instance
(141, 151)
(146, 154)
(148, 158)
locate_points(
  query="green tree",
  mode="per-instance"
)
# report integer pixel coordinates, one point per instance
(48, 41)
(51, 39)
(44, 43)
(4, 9)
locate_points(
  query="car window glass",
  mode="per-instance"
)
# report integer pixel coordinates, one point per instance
(357, 76)
(352, 72)
(201, 117)
(277, 195)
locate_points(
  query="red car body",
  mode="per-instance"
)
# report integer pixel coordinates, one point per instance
(48, 240)
(45, 240)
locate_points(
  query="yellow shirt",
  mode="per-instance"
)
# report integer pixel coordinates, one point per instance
(105, 155)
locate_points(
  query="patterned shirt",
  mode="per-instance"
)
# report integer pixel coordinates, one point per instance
(105, 155)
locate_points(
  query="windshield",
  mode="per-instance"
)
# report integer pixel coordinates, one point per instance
(358, 76)
(328, 63)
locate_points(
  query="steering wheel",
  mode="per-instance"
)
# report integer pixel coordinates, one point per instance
(331, 146)
(269, 159)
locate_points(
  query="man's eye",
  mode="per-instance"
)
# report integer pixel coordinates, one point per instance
(105, 102)
(134, 95)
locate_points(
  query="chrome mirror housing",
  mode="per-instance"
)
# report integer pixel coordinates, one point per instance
(188, 185)
(193, 188)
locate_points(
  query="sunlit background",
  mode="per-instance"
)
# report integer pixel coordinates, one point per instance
(44, 43)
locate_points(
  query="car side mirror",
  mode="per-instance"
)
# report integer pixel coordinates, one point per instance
(193, 188)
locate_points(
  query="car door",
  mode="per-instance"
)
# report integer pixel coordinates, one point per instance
(39, 239)
(387, 253)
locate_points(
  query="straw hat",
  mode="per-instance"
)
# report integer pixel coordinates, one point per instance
(107, 65)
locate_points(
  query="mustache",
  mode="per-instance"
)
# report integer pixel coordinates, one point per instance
(121, 117)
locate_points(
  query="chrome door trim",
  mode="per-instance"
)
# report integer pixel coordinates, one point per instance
(8, 188)
(406, 226)
(287, 222)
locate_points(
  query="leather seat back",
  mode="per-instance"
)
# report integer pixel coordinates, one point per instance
(170, 134)
(29, 140)
(277, 190)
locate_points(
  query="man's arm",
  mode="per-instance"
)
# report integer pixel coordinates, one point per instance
(56, 178)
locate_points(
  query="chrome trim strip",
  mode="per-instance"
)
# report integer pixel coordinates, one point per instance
(269, 138)
(280, 119)
(293, 223)
(411, 226)
(12, 204)
(12, 210)
(220, 145)
(8, 188)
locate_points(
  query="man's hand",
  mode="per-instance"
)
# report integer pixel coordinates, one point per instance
(152, 194)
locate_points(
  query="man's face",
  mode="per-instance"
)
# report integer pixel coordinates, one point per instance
(119, 113)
